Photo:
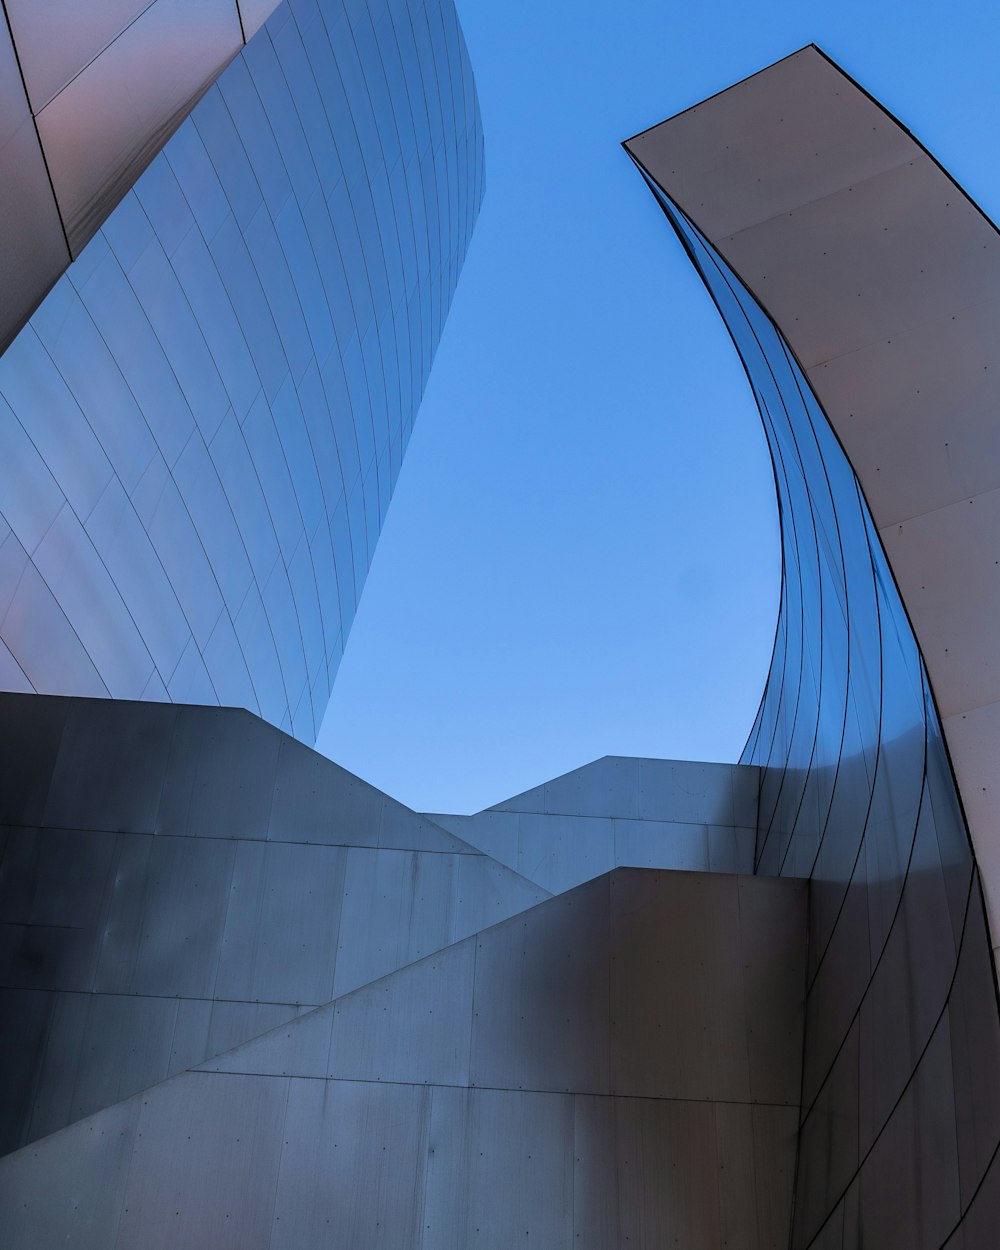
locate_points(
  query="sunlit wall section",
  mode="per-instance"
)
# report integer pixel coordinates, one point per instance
(901, 1079)
(202, 425)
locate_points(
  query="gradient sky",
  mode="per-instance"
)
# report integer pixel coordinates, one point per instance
(581, 555)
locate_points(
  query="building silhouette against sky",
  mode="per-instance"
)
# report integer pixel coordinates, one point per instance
(249, 1000)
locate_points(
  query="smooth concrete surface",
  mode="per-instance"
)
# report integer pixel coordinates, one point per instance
(616, 1066)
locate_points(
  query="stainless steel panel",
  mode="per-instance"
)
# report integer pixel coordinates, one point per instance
(235, 972)
(935, 377)
(773, 940)
(398, 906)
(190, 1038)
(111, 767)
(975, 1057)
(33, 255)
(117, 941)
(900, 1205)
(414, 1026)
(607, 787)
(513, 1143)
(30, 733)
(14, 110)
(737, 1183)
(220, 776)
(185, 891)
(56, 41)
(401, 829)
(233, 1023)
(94, 607)
(352, 1166)
(205, 1162)
(125, 1048)
(493, 832)
(18, 875)
(541, 1007)
(559, 852)
(51, 657)
(56, 1062)
(828, 138)
(162, 62)
(69, 1189)
(26, 1016)
(299, 923)
(958, 543)
(489, 892)
(679, 790)
(731, 850)
(775, 1143)
(446, 1214)
(529, 801)
(298, 1047)
(657, 920)
(669, 1173)
(596, 1216)
(48, 957)
(254, 13)
(847, 274)
(316, 800)
(32, 498)
(657, 844)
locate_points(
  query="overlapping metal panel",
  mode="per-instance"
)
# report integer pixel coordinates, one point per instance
(202, 424)
(96, 90)
(186, 910)
(622, 813)
(465, 1100)
(838, 252)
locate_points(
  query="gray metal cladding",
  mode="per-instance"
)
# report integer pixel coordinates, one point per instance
(202, 424)
(856, 792)
(367, 1122)
(622, 813)
(232, 879)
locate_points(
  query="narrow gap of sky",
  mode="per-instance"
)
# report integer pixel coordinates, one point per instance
(581, 555)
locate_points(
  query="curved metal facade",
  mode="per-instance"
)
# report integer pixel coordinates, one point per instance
(201, 426)
(88, 95)
(900, 1125)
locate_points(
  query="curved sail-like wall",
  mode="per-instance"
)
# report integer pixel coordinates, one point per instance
(202, 424)
(900, 1121)
(88, 95)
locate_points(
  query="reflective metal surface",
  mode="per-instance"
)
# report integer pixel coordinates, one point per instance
(176, 880)
(101, 88)
(622, 813)
(902, 1028)
(464, 1100)
(201, 426)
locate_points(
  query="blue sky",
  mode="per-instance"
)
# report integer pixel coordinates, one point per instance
(581, 556)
